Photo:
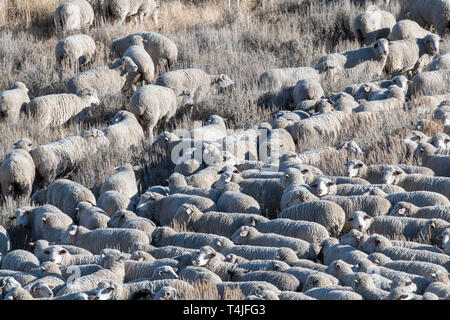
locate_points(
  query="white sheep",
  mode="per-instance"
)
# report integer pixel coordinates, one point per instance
(56, 109)
(372, 25)
(106, 80)
(406, 209)
(407, 29)
(152, 104)
(231, 199)
(119, 10)
(90, 216)
(372, 58)
(75, 50)
(197, 81)
(97, 240)
(163, 51)
(440, 164)
(65, 195)
(307, 89)
(276, 79)
(74, 15)
(17, 170)
(124, 131)
(440, 63)
(137, 52)
(430, 83)
(411, 55)
(419, 198)
(430, 12)
(112, 201)
(13, 101)
(124, 181)
(128, 219)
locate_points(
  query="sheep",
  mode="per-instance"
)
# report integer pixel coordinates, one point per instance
(106, 80)
(13, 100)
(440, 141)
(405, 209)
(56, 109)
(36, 218)
(65, 195)
(123, 181)
(213, 130)
(438, 163)
(307, 89)
(137, 52)
(373, 24)
(40, 245)
(247, 235)
(440, 63)
(145, 269)
(60, 158)
(17, 170)
(194, 275)
(114, 290)
(411, 55)
(276, 79)
(162, 50)
(378, 243)
(128, 219)
(18, 293)
(167, 293)
(271, 265)
(112, 201)
(395, 99)
(90, 216)
(373, 58)
(410, 228)
(415, 182)
(161, 209)
(326, 213)
(430, 271)
(283, 281)
(323, 128)
(332, 250)
(426, 13)
(177, 184)
(124, 131)
(73, 15)
(220, 223)
(274, 142)
(332, 294)
(232, 200)
(440, 289)
(196, 80)
(246, 287)
(430, 83)
(365, 286)
(372, 205)
(354, 189)
(311, 232)
(78, 50)
(113, 269)
(419, 198)
(20, 260)
(152, 104)
(98, 239)
(418, 285)
(120, 10)
(373, 173)
(407, 29)
(40, 289)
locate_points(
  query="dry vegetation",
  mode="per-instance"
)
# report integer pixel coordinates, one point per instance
(240, 42)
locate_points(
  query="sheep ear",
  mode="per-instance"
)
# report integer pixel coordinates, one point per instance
(359, 165)
(366, 89)
(377, 241)
(433, 275)
(403, 297)
(73, 231)
(175, 269)
(402, 211)
(356, 281)
(253, 223)
(367, 217)
(244, 233)
(218, 243)
(44, 219)
(188, 210)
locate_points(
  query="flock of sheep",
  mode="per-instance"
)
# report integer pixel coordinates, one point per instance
(243, 213)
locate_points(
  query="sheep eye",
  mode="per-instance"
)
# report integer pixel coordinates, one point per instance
(351, 219)
(314, 185)
(47, 252)
(63, 252)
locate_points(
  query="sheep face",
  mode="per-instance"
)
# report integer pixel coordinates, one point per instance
(353, 168)
(351, 147)
(401, 82)
(375, 243)
(22, 215)
(204, 256)
(446, 240)
(184, 213)
(382, 47)
(55, 254)
(19, 85)
(424, 149)
(360, 221)
(432, 43)
(167, 293)
(23, 143)
(440, 141)
(128, 64)
(352, 238)
(224, 81)
(165, 272)
(323, 186)
(41, 290)
(363, 281)
(107, 290)
(392, 175)
(416, 136)
(403, 282)
(146, 202)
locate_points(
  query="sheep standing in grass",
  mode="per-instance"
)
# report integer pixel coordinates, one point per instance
(373, 24)
(196, 80)
(124, 130)
(430, 83)
(430, 12)
(123, 181)
(74, 15)
(276, 79)
(153, 105)
(163, 51)
(106, 80)
(307, 89)
(90, 216)
(17, 170)
(373, 58)
(440, 63)
(137, 52)
(119, 10)
(12, 101)
(407, 29)
(59, 158)
(75, 50)
(440, 164)
(411, 55)
(56, 109)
